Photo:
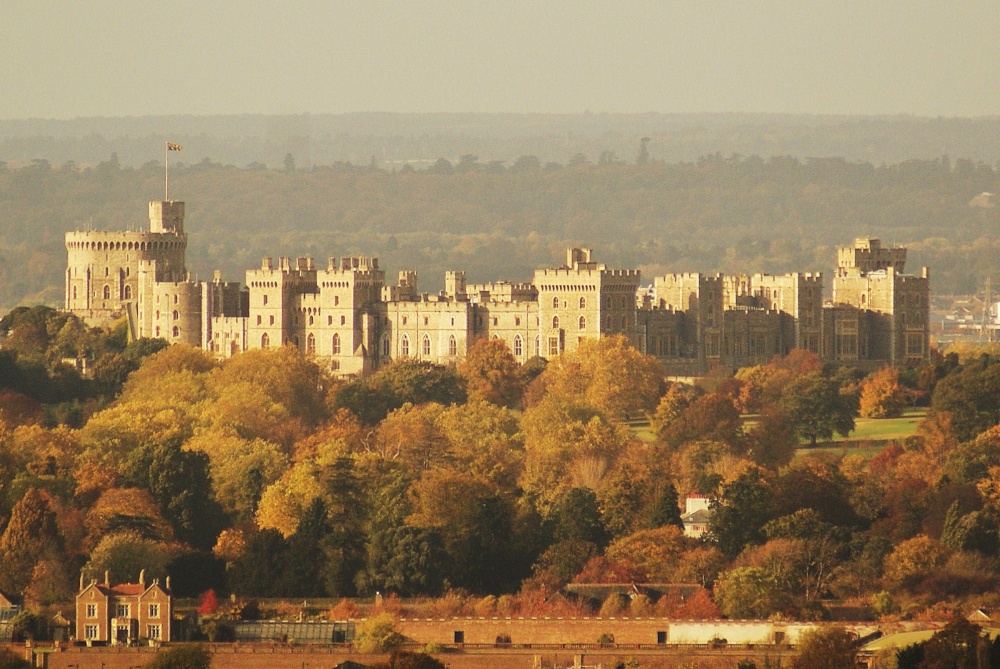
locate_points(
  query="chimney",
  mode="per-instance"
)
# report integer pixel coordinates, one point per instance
(168, 583)
(81, 581)
(142, 578)
(107, 578)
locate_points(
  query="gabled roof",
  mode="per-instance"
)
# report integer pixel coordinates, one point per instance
(699, 517)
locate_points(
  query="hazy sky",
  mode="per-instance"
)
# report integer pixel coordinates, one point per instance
(68, 58)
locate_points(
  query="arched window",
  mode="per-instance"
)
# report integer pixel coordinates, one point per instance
(518, 347)
(343, 320)
(177, 331)
(452, 346)
(538, 345)
(425, 346)
(265, 341)
(258, 318)
(583, 323)
(329, 320)
(555, 322)
(311, 344)
(385, 346)
(74, 292)
(107, 292)
(271, 319)
(583, 302)
(555, 302)
(128, 292)
(177, 315)
(404, 345)
(336, 344)
(310, 320)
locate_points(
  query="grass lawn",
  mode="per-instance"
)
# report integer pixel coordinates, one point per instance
(869, 437)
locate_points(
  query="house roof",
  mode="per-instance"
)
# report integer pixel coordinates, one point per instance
(699, 517)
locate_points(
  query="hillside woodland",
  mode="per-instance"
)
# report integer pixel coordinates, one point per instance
(502, 221)
(490, 484)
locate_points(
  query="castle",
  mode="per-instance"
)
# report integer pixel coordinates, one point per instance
(348, 317)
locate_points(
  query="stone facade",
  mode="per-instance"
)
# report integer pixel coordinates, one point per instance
(349, 317)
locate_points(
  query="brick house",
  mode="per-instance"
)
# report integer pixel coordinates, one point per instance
(123, 613)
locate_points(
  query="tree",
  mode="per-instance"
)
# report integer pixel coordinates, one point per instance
(912, 560)
(740, 512)
(710, 417)
(959, 645)
(259, 570)
(749, 592)
(816, 407)
(491, 373)
(377, 634)
(124, 555)
(31, 535)
(8, 660)
(971, 395)
(882, 395)
(655, 553)
(826, 648)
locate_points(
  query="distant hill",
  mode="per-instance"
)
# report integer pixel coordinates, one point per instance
(714, 214)
(393, 140)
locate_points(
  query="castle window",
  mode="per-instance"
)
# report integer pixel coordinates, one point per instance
(336, 344)
(555, 302)
(452, 346)
(311, 345)
(385, 346)
(517, 320)
(426, 346)
(495, 321)
(404, 345)
(128, 292)
(74, 292)
(271, 320)
(583, 302)
(343, 320)
(265, 341)
(175, 299)
(177, 331)
(538, 345)
(555, 322)
(336, 300)
(426, 320)
(329, 320)
(553, 346)
(404, 320)
(106, 271)
(258, 319)
(518, 347)
(177, 315)
(107, 292)
(583, 323)
(310, 320)
(157, 330)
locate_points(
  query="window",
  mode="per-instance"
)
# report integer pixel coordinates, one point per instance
(385, 346)
(310, 320)
(583, 302)
(157, 330)
(122, 611)
(265, 341)
(452, 346)
(175, 299)
(107, 292)
(518, 347)
(176, 315)
(177, 331)
(404, 320)
(553, 345)
(555, 322)
(343, 320)
(271, 320)
(128, 292)
(914, 343)
(426, 320)
(495, 321)
(404, 345)
(152, 631)
(311, 344)
(329, 320)
(517, 320)
(583, 323)
(336, 344)
(74, 292)
(555, 302)
(91, 610)
(265, 300)
(538, 345)
(425, 346)
(91, 632)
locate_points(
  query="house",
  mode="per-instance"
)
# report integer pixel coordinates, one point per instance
(123, 613)
(697, 515)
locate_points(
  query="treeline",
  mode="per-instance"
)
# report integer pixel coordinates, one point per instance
(501, 222)
(497, 484)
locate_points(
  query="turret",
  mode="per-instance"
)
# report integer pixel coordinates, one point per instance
(166, 217)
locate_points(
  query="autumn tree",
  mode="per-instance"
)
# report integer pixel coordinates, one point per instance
(31, 535)
(828, 647)
(882, 395)
(491, 373)
(749, 592)
(710, 417)
(817, 409)
(124, 555)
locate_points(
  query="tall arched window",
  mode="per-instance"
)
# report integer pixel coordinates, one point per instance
(583, 323)
(555, 302)
(128, 292)
(311, 345)
(336, 344)
(518, 347)
(265, 341)
(385, 346)
(107, 292)
(177, 315)
(425, 346)
(452, 345)
(583, 302)
(177, 331)
(555, 322)
(538, 345)
(310, 320)
(74, 292)
(404, 345)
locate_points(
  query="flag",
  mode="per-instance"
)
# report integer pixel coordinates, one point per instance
(173, 147)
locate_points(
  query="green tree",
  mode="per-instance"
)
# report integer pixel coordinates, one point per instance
(181, 657)
(749, 592)
(124, 555)
(959, 645)
(816, 407)
(740, 512)
(971, 395)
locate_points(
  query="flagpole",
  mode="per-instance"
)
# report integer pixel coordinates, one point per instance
(166, 171)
